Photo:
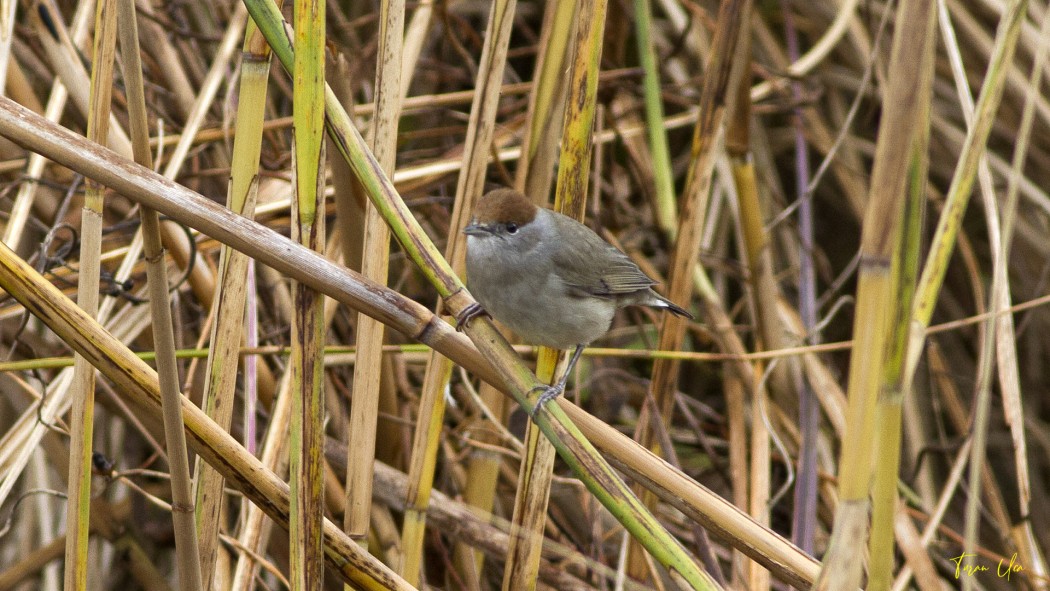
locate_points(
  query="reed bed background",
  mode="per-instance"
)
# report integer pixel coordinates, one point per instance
(862, 400)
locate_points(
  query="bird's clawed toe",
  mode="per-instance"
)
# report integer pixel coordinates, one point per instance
(549, 393)
(467, 314)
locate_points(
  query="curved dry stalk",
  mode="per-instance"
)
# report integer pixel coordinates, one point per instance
(1008, 364)
(998, 336)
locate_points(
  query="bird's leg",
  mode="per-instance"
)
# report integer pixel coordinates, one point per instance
(467, 314)
(552, 392)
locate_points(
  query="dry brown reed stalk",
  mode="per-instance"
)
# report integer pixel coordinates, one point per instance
(375, 263)
(477, 144)
(83, 411)
(231, 291)
(187, 549)
(221, 127)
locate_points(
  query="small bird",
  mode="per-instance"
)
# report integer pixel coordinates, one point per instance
(548, 277)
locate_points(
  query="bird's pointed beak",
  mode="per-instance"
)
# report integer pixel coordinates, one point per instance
(476, 230)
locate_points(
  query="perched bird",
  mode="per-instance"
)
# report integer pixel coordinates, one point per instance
(548, 277)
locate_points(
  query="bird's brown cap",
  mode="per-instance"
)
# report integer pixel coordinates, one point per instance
(504, 206)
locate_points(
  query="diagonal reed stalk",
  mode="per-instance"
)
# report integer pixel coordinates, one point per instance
(400, 313)
(469, 185)
(139, 384)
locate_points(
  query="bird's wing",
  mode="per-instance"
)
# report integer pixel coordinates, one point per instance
(623, 276)
(618, 275)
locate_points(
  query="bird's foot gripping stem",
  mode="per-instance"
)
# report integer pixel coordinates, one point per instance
(549, 393)
(469, 313)
(555, 390)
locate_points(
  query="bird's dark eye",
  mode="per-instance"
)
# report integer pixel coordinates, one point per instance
(512, 228)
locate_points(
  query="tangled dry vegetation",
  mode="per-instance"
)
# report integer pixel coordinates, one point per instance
(864, 378)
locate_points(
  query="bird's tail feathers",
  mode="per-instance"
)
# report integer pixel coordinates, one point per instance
(673, 307)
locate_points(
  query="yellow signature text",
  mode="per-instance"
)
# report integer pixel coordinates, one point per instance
(967, 564)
